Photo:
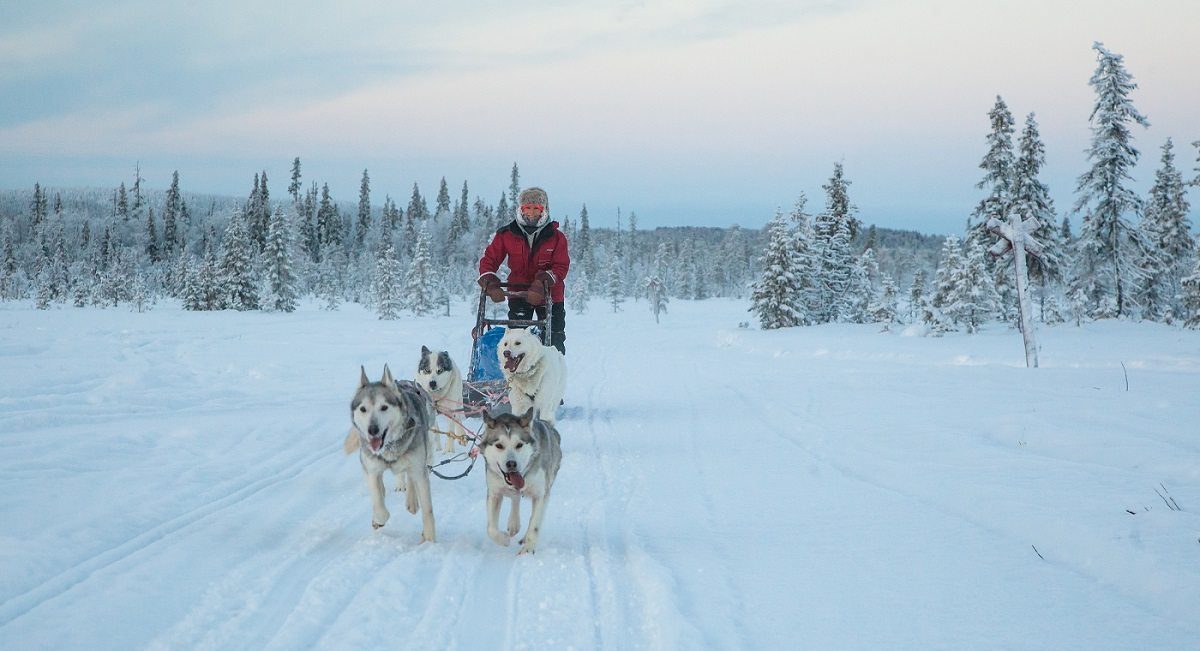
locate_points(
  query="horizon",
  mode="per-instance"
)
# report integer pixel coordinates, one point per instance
(687, 114)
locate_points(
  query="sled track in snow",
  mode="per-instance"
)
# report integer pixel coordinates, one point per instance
(18, 605)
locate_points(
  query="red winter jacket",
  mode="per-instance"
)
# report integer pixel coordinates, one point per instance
(549, 253)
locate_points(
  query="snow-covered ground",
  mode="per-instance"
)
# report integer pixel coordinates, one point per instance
(175, 480)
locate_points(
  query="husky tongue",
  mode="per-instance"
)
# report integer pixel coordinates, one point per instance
(515, 480)
(375, 443)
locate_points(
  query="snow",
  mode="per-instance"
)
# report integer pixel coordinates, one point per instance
(175, 480)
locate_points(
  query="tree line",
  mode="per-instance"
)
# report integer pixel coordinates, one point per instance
(1114, 267)
(132, 246)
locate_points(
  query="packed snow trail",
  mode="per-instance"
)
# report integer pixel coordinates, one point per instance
(175, 480)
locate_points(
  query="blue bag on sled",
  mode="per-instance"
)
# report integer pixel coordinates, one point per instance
(487, 365)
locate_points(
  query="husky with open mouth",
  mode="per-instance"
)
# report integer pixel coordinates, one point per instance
(523, 456)
(391, 432)
(536, 374)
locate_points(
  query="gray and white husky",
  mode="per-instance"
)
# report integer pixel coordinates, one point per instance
(440, 377)
(391, 432)
(522, 456)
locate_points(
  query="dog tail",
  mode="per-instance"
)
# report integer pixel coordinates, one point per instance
(351, 443)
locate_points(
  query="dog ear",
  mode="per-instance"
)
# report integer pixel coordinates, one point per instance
(387, 377)
(488, 421)
(526, 418)
(425, 351)
(362, 378)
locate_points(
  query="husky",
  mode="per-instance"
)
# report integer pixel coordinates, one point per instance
(536, 374)
(391, 432)
(439, 376)
(522, 455)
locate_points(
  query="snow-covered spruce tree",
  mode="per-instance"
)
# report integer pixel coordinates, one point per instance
(949, 268)
(282, 288)
(328, 222)
(883, 308)
(656, 293)
(442, 207)
(8, 272)
(1109, 248)
(837, 200)
(191, 294)
(43, 289)
(775, 299)
(153, 252)
(236, 269)
(309, 231)
(1191, 298)
(171, 214)
(998, 172)
(199, 287)
(60, 269)
(421, 289)
(580, 293)
(255, 233)
(1031, 198)
(37, 208)
(460, 227)
(363, 224)
(833, 260)
(1169, 245)
(140, 296)
(916, 293)
(999, 169)
(387, 284)
(210, 278)
(294, 185)
(935, 322)
(514, 191)
(972, 299)
(856, 301)
(804, 257)
(582, 249)
(615, 294)
(681, 269)
(329, 278)
(418, 208)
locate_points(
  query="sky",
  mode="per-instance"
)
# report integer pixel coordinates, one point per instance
(685, 112)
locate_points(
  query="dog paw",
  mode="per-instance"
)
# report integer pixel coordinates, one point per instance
(501, 539)
(529, 548)
(380, 518)
(410, 502)
(513, 529)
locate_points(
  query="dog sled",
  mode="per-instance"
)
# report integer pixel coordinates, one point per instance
(484, 387)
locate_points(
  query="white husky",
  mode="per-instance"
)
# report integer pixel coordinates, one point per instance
(536, 374)
(523, 456)
(439, 376)
(391, 432)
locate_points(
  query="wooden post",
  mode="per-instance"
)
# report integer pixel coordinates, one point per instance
(1017, 236)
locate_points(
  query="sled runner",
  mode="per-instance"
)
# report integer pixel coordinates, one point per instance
(484, 384)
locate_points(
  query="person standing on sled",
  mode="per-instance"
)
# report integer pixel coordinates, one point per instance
(536, 251)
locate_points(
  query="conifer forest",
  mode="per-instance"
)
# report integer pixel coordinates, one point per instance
(817, 261)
